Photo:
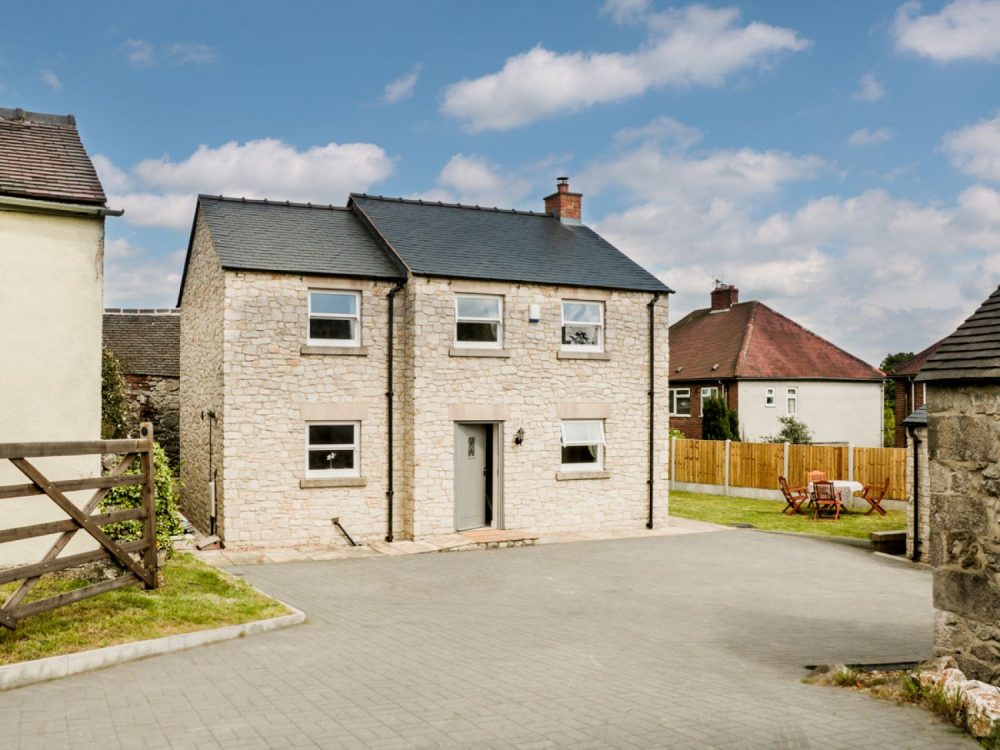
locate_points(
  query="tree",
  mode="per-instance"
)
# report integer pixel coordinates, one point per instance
(718, 421)
(890, 364)
(114, 406)
(792, 431)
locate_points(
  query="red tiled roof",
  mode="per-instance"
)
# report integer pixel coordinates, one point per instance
(750, 340)
(913, 366)
(41, 156)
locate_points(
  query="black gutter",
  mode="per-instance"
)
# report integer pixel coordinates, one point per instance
(652, 398)
(916, 492)
(390, 492)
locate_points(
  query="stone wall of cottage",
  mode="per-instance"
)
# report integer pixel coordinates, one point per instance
(964, 444)
(274, 385)
(533, 388)
(924, 494)
(201, 381)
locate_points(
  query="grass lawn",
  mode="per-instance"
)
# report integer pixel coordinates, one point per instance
(767, 515)
(195, 596)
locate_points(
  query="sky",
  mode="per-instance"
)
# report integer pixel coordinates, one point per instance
(838, 161)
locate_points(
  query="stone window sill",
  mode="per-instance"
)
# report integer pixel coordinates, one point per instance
(343, 351)
(456, 351)
(601, 356)
(563, 476)
(317, 484)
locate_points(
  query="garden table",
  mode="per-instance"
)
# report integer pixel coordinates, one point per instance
(844, 488)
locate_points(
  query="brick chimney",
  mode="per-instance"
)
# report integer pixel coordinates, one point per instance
(565, 205)
(724, 296)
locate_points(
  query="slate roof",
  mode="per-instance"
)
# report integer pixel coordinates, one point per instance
(455, 241)
(262, 235)
(41, 156)
(972, 352)
(146, 342)
(912, 366)
(751, 341)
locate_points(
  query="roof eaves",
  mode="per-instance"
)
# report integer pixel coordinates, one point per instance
(536, 282)
(187, 256)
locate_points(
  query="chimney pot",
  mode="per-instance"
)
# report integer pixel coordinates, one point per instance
(724, 296)
(566, 206)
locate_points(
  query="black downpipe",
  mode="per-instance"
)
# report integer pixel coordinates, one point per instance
(389, 493)
(916, 493)
(652, 399)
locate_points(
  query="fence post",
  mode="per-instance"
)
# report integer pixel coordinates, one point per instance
(725, 474)
(149, 502)
(786, 464)
(850, 462)
(673, 461)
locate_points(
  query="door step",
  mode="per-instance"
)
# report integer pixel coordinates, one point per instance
(482, 539)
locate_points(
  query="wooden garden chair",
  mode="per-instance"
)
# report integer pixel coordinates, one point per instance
(815, 476)
(875, 494)
(794, 496)
(826, 500)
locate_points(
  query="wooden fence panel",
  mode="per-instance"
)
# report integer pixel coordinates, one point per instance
(756, 465)
(700, 461)
(802, 459)
(873, 465)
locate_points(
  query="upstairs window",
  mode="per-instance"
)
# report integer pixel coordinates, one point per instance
(334, 318)
(478, 322)
(582, 445)
(332, 449)
(582, 326)
(680, 402)
(792, 396)
(769, 397)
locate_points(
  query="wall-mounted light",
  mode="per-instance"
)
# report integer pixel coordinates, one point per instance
(519, 436)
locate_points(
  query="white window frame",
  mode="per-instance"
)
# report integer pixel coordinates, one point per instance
(769, 398)
(599, 346)
(355, 446)
(792, 401)
(674, 393)
(598, 463)
(356, 317)
(498, 344)
(709, 390)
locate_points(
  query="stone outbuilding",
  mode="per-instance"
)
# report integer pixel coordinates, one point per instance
(413, 369)
(147, 342)
(963, 434)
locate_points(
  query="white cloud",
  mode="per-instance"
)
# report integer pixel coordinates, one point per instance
(692, 46)
(51, 80)
(975, 149)
(889, 271)
(161, 192)
(134, 277)
(474, 180)
(626, 11)
(141, 54)
(402, 87)
(866, 137)
(869, 89)
(961, 30)
(661, 129)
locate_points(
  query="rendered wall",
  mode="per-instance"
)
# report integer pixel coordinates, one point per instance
(50, 366)
(835, 412)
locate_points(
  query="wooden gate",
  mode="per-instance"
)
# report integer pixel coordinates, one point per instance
(141, 568)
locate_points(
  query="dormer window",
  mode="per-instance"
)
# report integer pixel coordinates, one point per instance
(478, 322)
(334, 318)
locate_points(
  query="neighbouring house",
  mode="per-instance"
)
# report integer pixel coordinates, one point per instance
(52, 210)
(148, 344)
(767, 366)
(414, 368)
(963, 435)
(910, 395)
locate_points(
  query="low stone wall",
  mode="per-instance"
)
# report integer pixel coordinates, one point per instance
(981, 702)
(157, 399)
(964, 451)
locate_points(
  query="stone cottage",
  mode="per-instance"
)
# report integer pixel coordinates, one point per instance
(415, 368)
(963, 434)
(147, 342)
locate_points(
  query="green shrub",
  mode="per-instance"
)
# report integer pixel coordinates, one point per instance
(675, 433)
(718, 421)
(114, 406)
(845, 677)
(168, 521)
(792, 431)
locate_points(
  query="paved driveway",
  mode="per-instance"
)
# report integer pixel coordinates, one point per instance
(693, 641)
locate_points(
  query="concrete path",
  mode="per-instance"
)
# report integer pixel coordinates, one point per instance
(689, 641)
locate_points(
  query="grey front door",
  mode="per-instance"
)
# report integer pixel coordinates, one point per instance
(470, 475)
